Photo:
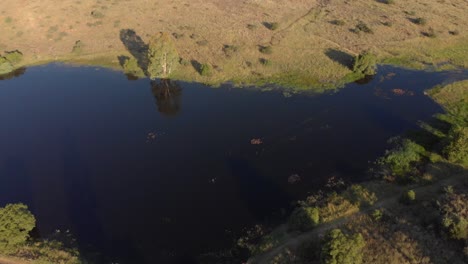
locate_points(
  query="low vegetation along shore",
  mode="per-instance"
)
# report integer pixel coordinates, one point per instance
(415, 211)
(301, 44)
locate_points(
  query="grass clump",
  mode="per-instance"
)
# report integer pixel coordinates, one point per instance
(338, 22)
(230, 50)
(271, 25)
(363, 27)
(266, 49)
(420, 21)
(265, 62)
(408, 197)
(97, 14)
(78, 47)
(252, 26)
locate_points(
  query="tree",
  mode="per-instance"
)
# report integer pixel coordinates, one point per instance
(162, 56)
(5, 65)
(342, 249)
(16, 221)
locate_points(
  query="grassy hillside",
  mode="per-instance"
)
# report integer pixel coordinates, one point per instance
(292, 42)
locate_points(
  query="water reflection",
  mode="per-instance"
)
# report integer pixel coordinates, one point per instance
(167, 94)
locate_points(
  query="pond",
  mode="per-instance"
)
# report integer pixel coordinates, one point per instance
(161, 172)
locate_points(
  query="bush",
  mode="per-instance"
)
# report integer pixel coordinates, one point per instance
(420, 21)
(5, 66)
(130, 66)
(360, 196)
(265, 62)
(78, 47)
(362, 27)
(206, 69)
(377, 215)
(304, 218)
(16, 221)
(401, 160)
(365, 63)
(408, 197)
(454, 210)
(339, 248)
(338, 22)
(230, 50)
(14, 57)
(266, 49)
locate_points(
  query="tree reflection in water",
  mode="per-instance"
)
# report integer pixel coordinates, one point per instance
(168, 96)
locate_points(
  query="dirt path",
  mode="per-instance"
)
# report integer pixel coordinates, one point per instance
(296, 241)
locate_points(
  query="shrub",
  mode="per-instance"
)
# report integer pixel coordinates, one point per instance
(97, 14)
(265, 62)
(304, 218)
(271, 25)
(456, 150)
(420, 21)
(78, 47)
(130, 66)
(266, 49)
(338, 22)
(377, 215)
(401, 160)
(362, 27)
(454, 210)
(339, 248)
(408, 197)
(230, 50)
(206, 69)
(14, 57)
(16, 221)
(5, 66)
(360, 196)
(365, 63)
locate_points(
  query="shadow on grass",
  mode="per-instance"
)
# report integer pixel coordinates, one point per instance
(341, 57)
(136, 46)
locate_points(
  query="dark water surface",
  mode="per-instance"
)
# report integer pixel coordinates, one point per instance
(154, 173)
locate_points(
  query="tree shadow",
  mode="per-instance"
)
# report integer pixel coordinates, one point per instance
(136, 46)
(168, 96)
(196, 65)
(341, 57)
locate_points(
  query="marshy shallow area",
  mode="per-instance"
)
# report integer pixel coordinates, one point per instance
(163, 171)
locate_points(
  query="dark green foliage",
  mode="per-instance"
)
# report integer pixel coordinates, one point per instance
(457, 149)
(163, 57)
(304, 218)
(365, 63)
(14, 57)
(266, 49)
(206, 69)
(16, 221)
(339, 248)
(78, 47)
(363, 27)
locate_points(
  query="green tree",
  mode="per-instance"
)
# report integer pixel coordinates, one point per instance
(304, 218)
(16, 221)
(162, 56)
(342, 249)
